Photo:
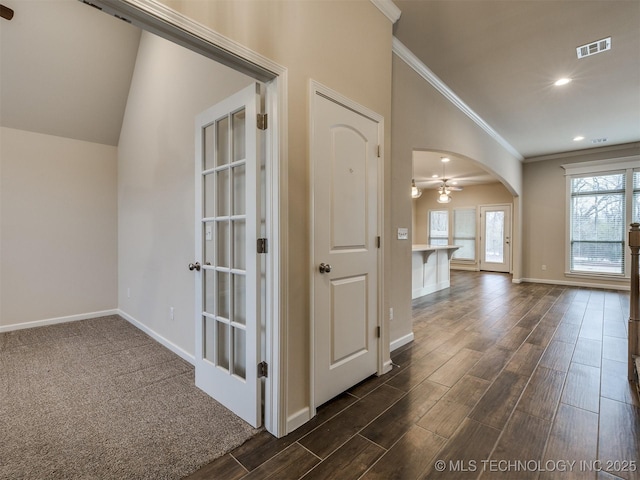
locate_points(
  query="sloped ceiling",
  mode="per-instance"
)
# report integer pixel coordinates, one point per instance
(65, 70)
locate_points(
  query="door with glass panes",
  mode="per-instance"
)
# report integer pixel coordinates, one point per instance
(227, 282)
(495, 238)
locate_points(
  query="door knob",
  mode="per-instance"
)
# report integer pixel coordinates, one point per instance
(324, 268)
(194, 266)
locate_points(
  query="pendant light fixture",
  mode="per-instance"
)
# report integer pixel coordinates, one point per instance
(443, 191)
(415, 191)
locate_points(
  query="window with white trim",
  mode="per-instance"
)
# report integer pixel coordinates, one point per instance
(464, 233)
(598, 223)
(438, 227)
(603, 199)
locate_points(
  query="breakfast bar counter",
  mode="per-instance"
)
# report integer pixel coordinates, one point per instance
(430, 268)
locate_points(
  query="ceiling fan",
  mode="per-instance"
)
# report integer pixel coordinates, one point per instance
(445, 188)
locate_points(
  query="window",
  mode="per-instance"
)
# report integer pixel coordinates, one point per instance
(598, 223)
(439, 227)
(464, 233)
(603, 198)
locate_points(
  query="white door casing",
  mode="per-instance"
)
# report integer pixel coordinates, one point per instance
(228, 326)
(495, 238)
(345, 254)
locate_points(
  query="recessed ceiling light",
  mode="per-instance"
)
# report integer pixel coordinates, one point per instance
(578, 138)
(562, 81)
(445, 159)
(435, 175)
(454, 183)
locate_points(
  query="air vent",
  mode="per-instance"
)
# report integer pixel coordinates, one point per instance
(598, 140)
(595, 47)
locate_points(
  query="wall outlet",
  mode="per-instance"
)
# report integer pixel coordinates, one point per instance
(390, 313)
(128, 292)
(171, 314)
(544, 267)
(403, 234)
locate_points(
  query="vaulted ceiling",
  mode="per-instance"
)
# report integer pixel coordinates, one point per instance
(66, 68)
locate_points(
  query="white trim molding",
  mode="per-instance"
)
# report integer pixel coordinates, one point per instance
(401, 342)
(57, 320)
(158, 338)
(389, 9)
(606, 286)
(421, 69)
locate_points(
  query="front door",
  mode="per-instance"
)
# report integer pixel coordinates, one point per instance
(495, 240)
(227, 222)
(345, 249)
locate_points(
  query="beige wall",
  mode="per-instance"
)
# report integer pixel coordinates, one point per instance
(345, 45)
(423, 119)
(544, 214)
(58, 227)
(156, 202)
(470, 197)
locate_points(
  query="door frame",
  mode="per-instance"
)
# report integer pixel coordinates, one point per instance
(383, 365)
(177, 28)
(507, 206)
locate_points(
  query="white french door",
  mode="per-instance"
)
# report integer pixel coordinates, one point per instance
(227, 225)
(495, 239)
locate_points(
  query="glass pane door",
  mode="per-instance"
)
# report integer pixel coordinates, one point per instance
(224, 222)
(495, 242)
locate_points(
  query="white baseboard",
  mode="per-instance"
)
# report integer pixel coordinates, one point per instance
(159, 338)
(399, 342)
(54, 321)
(466, 268)
(298, 419)
(570, 283)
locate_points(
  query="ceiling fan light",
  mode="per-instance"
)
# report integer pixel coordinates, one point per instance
(444, 198)
(415, 191)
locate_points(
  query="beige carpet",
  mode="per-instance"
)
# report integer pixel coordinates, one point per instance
(99, 399)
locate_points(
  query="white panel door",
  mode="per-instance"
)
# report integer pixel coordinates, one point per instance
(345, 254)
(495, 240)
(227, 222)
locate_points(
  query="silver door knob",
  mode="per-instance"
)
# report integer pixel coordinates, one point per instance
(194, 266)
(324, 268)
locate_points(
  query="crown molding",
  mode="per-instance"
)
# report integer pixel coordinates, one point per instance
(388, 8)
(421, 69)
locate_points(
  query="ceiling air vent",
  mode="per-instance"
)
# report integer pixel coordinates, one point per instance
(595, 47)
(598, 140)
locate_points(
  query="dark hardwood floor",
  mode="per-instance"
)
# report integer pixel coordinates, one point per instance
(502, 381)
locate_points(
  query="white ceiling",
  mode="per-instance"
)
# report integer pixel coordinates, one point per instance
(66, 68)
(502, 57)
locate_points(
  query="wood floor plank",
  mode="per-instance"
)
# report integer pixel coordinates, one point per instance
(409, 458)
(264, 446)
(418, 371)
(399, 418)
(588, 352)
(574, 437)
(225, 467)
(290, 464)
(582, 388)
(567, 332)
(614, 348)
(619, 437)
(456, 367)
(471, 444)
(491, 363)
(515, 338)
(524, 438)
(332, 434)
(349, 462)
(557, 356)
(525, 360)
(541, 335)
(445, 417)
(499, 400)
(615, 385)
(542, 394)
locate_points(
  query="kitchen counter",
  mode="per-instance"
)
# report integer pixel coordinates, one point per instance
(430, 268)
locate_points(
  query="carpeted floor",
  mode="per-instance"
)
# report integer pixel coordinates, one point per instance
(99, 399)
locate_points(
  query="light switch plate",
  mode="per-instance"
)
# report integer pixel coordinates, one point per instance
(403, 234)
